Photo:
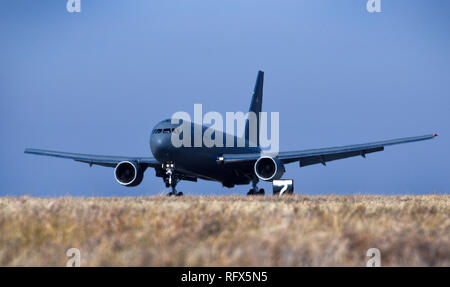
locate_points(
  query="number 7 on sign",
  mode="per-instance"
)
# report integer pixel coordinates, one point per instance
(283, 186)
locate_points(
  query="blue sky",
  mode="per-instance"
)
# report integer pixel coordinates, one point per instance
(99, 80)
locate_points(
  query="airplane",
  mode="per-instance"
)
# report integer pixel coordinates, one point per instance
(228, 165)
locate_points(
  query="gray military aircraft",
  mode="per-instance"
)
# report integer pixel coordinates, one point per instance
(228, 165)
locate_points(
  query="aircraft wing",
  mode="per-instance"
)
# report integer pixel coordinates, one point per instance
(103, 160)
(323, 155)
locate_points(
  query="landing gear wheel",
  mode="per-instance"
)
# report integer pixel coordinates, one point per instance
(255, 190)
(170, 179)
(175, 193)
(258, 192)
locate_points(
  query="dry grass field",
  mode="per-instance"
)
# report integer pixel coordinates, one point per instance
(226, 230)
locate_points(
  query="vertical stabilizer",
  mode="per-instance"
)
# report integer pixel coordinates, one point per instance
(256, 104)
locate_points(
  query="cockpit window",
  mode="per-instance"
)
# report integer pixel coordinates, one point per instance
(165, 131)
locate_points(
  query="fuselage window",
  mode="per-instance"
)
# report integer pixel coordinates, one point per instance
(166, 131)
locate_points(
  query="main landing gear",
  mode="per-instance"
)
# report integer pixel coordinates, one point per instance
(255, 190)
(171, 179)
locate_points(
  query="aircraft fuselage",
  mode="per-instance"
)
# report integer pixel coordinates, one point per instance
(201, 161)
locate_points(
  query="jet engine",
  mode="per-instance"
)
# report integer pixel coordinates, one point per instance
(268, 168)
(129, 173)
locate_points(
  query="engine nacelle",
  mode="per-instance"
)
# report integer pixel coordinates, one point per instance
(268, 168)
(129, 173)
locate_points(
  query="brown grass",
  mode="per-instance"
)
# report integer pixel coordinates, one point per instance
(226, 230)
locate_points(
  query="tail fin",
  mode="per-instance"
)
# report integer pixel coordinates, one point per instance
(256, 105)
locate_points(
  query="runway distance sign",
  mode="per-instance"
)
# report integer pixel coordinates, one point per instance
(283, 187)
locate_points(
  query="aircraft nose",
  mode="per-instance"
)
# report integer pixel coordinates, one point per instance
(160, 146)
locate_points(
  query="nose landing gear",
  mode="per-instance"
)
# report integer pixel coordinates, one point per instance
(171, 179)
(255, 190)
